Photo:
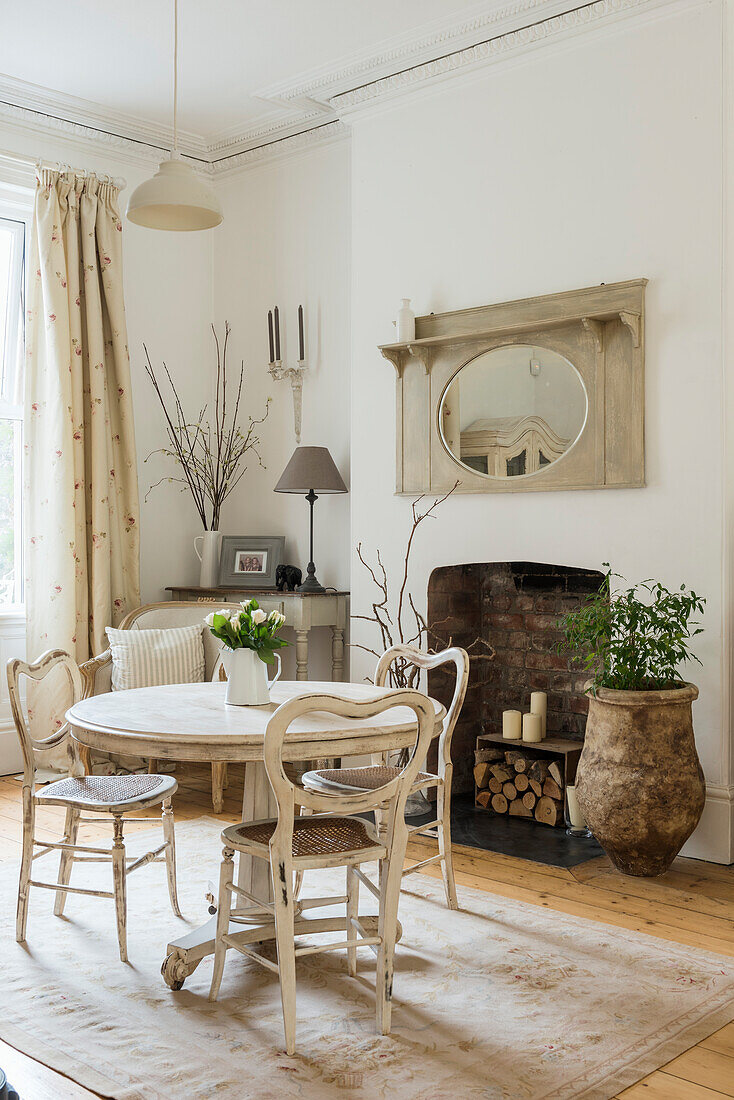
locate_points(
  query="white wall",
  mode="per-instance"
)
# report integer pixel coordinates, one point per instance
(285, 241)
(448, 207)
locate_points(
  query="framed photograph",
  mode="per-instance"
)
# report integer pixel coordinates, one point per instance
(250, 561)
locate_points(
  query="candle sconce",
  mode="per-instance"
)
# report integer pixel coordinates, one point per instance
(281, 373)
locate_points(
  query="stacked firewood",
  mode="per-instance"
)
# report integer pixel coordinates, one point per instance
(515, 783)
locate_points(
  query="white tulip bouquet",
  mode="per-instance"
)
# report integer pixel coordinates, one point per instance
(249, 628)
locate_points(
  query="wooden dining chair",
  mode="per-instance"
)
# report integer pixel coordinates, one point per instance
(366, 778)
(113, 796)
(328, 837)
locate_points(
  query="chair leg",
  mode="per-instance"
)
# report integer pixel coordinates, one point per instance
(305, 811)
(26, 860)
(352, 914)
(286, 941)
(444, 840)
(218, 769)
(71, 828)
(169, 836)
(119, 879)
(390, 880)
(224, 906)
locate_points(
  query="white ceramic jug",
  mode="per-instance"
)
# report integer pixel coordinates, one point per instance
(247, 678)
(209, 558)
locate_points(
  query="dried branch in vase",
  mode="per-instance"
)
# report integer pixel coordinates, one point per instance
(405, 624)
(211, 457)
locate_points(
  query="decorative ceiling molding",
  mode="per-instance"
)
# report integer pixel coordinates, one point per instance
(93, 117)
(321, 86)
(490, 50)
(281, 147)
(307, 111)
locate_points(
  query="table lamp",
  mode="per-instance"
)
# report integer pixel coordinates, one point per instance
(311, 470)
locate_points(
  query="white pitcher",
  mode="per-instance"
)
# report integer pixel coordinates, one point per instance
(247, 678)
(209, 558)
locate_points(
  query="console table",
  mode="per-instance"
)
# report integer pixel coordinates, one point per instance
(303, 611)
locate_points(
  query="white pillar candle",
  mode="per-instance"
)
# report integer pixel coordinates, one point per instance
(575, 816)
(532, 727)
(512, 725)
(539, 705)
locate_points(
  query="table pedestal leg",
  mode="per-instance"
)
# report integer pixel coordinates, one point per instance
(184, 955)
(258, 802)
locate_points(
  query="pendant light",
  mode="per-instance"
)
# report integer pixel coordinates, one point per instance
(175, 198)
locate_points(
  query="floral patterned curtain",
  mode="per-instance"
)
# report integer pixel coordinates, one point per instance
(81, 490)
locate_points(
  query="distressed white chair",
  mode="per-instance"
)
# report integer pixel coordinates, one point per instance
(369, 777)
(113, 796)
(327, 837)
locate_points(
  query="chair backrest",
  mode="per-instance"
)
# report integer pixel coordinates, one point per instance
(62, 689)
(391, 796)
(160, 616)
(424, 662)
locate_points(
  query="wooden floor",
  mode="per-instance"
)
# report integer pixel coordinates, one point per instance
(693, 904)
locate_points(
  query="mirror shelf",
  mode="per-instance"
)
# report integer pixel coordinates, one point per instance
(598, 332)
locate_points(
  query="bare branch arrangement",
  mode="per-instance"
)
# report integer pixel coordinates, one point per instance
(406, 625)
(211, 457)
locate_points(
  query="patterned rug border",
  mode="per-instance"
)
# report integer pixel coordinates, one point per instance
(675, 1038)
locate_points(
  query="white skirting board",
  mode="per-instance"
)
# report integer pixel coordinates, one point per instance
(11, 761)
(713, 839)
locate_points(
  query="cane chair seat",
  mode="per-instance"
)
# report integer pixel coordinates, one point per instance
(368, 778)
(109, 792)
(313, 837)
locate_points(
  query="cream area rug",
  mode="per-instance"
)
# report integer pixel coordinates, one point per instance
(499, 1001)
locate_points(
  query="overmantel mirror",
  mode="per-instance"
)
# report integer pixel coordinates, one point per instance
(543, 393)
(512, 411)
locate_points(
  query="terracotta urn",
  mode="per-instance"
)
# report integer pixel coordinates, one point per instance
(639, 781)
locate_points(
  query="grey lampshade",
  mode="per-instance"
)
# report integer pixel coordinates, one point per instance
(311, 468)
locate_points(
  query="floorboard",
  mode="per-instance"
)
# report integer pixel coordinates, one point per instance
(693, 904)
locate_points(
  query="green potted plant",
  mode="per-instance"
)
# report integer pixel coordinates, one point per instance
(639, 781)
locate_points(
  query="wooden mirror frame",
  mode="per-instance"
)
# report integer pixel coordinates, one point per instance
(600, 330)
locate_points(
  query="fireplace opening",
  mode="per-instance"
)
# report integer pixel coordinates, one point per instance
(515, 607)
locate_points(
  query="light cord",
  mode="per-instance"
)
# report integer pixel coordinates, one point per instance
(175, 76)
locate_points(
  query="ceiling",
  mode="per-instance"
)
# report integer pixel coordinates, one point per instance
(249, 70)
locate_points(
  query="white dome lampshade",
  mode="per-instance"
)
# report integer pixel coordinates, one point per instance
(175, 199)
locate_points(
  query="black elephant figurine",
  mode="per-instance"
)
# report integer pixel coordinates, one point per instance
(287, 578)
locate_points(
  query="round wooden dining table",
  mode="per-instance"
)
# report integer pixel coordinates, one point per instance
(192, 722)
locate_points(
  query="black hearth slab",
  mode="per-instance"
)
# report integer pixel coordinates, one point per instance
(512, 836)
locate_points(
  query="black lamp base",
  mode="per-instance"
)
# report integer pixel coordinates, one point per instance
(310, 584)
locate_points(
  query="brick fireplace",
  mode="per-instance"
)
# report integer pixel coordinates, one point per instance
(515, 607)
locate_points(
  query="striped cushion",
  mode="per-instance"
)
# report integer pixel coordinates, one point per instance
(147, 658)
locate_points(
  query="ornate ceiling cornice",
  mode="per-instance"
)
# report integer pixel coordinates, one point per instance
(487, 51)
(307, 111)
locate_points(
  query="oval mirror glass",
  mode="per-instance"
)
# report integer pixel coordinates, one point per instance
(512, 411)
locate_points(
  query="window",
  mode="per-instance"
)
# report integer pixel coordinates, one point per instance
(12, 351)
